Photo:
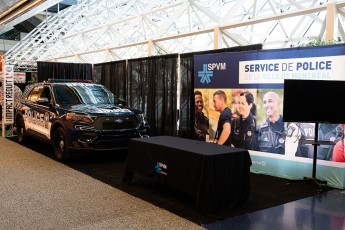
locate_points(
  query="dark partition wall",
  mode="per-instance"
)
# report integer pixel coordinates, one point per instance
(113, 75)
(152, 85)
(148, 84)
(186, 96)
(137, 84)
(59, 70)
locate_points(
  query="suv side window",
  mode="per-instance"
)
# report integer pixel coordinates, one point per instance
(65, 95)
(46, 93)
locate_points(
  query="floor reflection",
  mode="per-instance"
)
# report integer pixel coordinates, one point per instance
(323, 211)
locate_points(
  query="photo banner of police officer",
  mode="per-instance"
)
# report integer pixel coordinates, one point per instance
(245, 90)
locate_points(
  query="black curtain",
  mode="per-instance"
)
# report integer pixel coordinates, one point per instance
(186, 120)
(152, 85)
(113, 75)
(60, 70)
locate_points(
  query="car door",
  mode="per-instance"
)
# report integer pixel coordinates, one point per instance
(37, 116)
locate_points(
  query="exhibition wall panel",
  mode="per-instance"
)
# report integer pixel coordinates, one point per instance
(151, 84)
(148, 84)
(112, 75)
(253, 83)
(60, 70)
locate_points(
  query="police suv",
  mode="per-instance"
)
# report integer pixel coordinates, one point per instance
(76, 116)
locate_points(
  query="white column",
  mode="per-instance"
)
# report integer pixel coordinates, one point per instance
(217, 38)
(331, 22)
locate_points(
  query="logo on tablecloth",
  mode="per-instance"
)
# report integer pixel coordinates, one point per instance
(161, 168)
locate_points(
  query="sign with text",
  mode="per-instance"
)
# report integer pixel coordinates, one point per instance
(251, 85)
(19, 77)
(276, 70)
(268, 68)
(8, 95)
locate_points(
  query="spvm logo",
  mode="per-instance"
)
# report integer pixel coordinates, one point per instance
(207, 71)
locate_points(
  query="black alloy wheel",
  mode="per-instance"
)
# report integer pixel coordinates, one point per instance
(21, 133)
(60, 145)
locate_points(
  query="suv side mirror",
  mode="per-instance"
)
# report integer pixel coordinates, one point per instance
(42, 100)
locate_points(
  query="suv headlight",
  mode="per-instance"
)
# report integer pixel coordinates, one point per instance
(80, 117)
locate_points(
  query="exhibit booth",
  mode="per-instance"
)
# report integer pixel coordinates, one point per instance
(165, 94)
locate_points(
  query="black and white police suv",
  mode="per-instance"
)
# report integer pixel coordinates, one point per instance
(76, 116)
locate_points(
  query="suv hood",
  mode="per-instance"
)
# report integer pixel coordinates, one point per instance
(101, 109)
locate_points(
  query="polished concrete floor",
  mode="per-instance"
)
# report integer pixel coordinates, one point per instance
(325, 211)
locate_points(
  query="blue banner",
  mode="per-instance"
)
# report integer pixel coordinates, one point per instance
(268, 68)
(246, 90)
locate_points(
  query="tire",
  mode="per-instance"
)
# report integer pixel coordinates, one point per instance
(61, 152)
(21, 133)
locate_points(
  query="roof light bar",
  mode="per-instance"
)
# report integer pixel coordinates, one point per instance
(68, 80)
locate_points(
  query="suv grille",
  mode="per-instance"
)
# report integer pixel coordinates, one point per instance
(116, 122)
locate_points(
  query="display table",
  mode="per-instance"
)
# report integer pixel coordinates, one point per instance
(217, 176)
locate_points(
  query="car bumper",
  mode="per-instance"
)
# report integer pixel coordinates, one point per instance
(103, 143)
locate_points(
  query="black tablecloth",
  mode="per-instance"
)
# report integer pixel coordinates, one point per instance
(217, 176)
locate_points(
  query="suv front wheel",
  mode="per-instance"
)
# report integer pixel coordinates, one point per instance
(21, 134)
(60, 145)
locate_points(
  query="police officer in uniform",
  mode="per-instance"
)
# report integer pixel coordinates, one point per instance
(224, 123)
(271, 136)
(328, 132)
(271, 133)
(201, 122)
(307, 131)
(243, 128)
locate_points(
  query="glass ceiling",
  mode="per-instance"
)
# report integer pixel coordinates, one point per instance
(97, 31)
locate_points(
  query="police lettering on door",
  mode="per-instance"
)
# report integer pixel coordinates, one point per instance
(36, 118)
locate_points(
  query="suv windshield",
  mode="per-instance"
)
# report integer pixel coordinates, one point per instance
(83, 94)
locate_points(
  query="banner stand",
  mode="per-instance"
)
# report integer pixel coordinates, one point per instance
(7, 100)
(277, 148)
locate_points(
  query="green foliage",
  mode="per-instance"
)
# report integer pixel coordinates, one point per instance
(317, 41)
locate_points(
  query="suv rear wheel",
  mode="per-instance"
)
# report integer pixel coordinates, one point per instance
(60, 145)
